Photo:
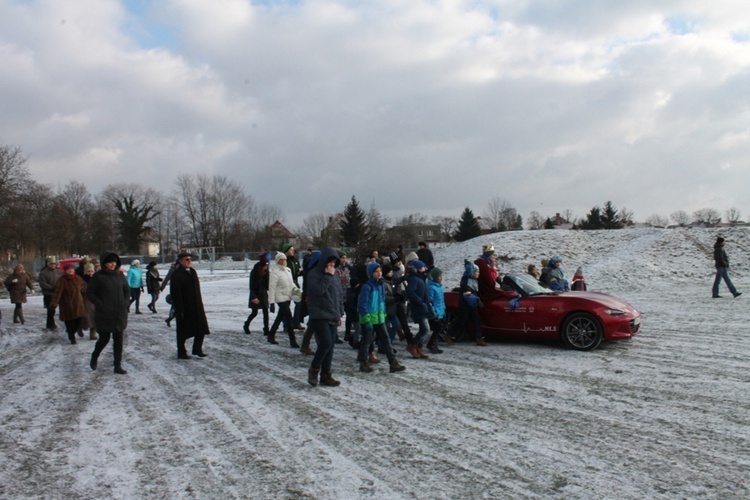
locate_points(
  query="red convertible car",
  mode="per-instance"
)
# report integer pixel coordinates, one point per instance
(530, 311)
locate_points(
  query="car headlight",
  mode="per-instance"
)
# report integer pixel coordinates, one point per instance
(614, 312)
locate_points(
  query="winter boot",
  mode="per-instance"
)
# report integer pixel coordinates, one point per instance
(92, 334)
(365, 367)
(15, 316)
(94, 360)
(272, 337)
(312, 376)
(306, 338)
(119, 369)
(396, 367)
(246, 327)
(328, 380)
(292, 341)
(421, 353)
(433, 348)
(413, 350)
(72, 337)
(482, 342)
(80, 332)
(373, 359)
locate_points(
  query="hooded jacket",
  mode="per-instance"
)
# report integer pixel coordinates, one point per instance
(110, 294)
(416, 293)
(371, 305)
(324, 295)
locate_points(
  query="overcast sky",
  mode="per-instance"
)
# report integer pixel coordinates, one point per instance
(414, 105)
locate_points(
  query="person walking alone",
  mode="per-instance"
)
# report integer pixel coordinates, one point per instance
(721, 260)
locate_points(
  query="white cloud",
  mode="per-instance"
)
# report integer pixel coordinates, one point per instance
(425, 106)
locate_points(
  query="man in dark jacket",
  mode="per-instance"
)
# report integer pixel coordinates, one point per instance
(425, 255)
(185, 290)
(721, 261)
(109, 291)
(47, 279)
(326, 308)
(419, 302)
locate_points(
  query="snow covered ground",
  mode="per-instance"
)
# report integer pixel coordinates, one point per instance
(664, 415)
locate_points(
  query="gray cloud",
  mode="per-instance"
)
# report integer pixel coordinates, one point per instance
(419, 106)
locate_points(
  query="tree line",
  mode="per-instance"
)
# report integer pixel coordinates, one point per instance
(202, 210)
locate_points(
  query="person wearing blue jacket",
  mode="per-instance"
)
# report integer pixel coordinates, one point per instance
(556, 276)
(372, 315)
(469, 304)
(135, 281)
(419, 302)
(437, 299)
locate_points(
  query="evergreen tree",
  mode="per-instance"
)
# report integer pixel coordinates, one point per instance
(548, 224)
(593, 219)
(353, 226)
(468, 226)
(610, 218)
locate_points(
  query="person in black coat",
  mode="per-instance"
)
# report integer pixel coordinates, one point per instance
(185, 291)
(153, 285)
(326, 308)
(258, 294)
(109, 291)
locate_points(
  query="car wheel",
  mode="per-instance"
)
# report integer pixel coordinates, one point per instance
(582, 332)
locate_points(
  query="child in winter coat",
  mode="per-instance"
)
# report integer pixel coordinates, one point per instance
(579, 282)
(437, 298)
(392, 300)
(556, 276)
(372, 314)
(469, 303)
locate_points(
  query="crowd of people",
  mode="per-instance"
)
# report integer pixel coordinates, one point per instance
(376, 301)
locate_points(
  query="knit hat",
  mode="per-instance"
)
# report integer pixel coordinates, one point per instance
(69, 265)
(554, 260)
(135, 262)
(371, 268)
(394, 257)
(488, 248)
(417, 264)
(279, 257)
(264, 259)
(152, 263)
(387, 269)
(286, 246)
(470, 268)
(719, 240)
(579, 271)
(435, 273)
(88, 267)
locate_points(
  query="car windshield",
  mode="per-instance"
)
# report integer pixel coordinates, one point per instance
(528, 284)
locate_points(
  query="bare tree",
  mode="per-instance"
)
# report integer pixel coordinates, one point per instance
(415, 219)
(733, 215)
(680, 217)
(448, 226)
(535, 220)
(567, 214)
(312, 228)
(501, 215)
(75, 204)
(708, 216)
(656, 220)
(626, 216)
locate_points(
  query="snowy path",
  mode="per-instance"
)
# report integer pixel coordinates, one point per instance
(662, 416)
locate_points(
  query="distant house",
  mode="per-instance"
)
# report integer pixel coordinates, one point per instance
(559, 222)
(331, 234)
(409, 236)
(484, 226)
(279, 234)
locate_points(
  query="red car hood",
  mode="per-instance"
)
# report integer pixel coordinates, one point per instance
(606, 300)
